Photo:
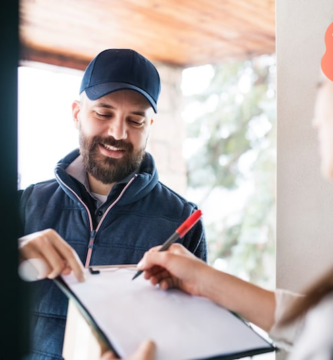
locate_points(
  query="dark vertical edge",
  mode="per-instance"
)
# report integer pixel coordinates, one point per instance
(14, 341)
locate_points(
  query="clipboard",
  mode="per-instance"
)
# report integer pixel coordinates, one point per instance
(111, 334)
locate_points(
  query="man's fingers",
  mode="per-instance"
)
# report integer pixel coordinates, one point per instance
(109, 355)
(61, 255)
(146, 351)
(48, 246)
(72, 259)
(33, 269)
(39, 246)
(67, 270)
(55, 260)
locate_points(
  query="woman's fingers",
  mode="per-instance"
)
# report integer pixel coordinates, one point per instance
(153, 271)
(162, 276)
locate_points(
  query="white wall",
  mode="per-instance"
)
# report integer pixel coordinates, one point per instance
(305, 200)
(168, 131)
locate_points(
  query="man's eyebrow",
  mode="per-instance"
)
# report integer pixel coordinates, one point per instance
(104, 105)
(108, 106)
(140, 113)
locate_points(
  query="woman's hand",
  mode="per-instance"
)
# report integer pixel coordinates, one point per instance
(176, 267)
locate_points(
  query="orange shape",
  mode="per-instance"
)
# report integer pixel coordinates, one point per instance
(327, 60)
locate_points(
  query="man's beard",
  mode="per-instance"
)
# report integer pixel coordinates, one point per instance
(105, 169)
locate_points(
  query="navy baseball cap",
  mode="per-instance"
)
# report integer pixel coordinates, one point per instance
(121, 69)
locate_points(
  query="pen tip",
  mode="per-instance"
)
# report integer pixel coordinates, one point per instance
(136, 275)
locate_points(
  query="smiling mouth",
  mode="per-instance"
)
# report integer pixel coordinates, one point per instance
(111, 151)
(112, 148)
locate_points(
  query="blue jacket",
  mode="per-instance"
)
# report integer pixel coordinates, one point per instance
(136, 216)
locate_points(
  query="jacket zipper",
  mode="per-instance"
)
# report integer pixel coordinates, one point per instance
(93, 231)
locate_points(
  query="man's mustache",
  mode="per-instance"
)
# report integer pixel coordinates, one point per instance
(111, 141)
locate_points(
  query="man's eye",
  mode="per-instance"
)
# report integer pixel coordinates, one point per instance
(136, 123)
(103, 115)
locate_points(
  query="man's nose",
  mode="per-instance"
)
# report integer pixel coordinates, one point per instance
(117, 129)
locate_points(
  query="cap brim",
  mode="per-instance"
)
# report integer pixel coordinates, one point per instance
(97, 91)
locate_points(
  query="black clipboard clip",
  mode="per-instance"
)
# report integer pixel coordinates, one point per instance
(93, 272)
(96, 269)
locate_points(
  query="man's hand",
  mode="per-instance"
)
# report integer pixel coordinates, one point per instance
(49, 249)
(176, 267)
(146, 351)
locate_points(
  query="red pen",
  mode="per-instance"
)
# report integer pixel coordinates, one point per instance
(179, 233)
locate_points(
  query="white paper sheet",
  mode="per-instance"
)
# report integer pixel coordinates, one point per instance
(183, 327)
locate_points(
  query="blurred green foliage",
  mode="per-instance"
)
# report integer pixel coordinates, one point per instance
(235, 149)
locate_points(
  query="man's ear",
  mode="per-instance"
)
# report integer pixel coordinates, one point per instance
(76, 107)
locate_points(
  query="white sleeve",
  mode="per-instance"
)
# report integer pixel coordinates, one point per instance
(284, 336)
(316, 338)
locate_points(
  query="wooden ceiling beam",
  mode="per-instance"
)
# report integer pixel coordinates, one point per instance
(177, 32)
(52, 58)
